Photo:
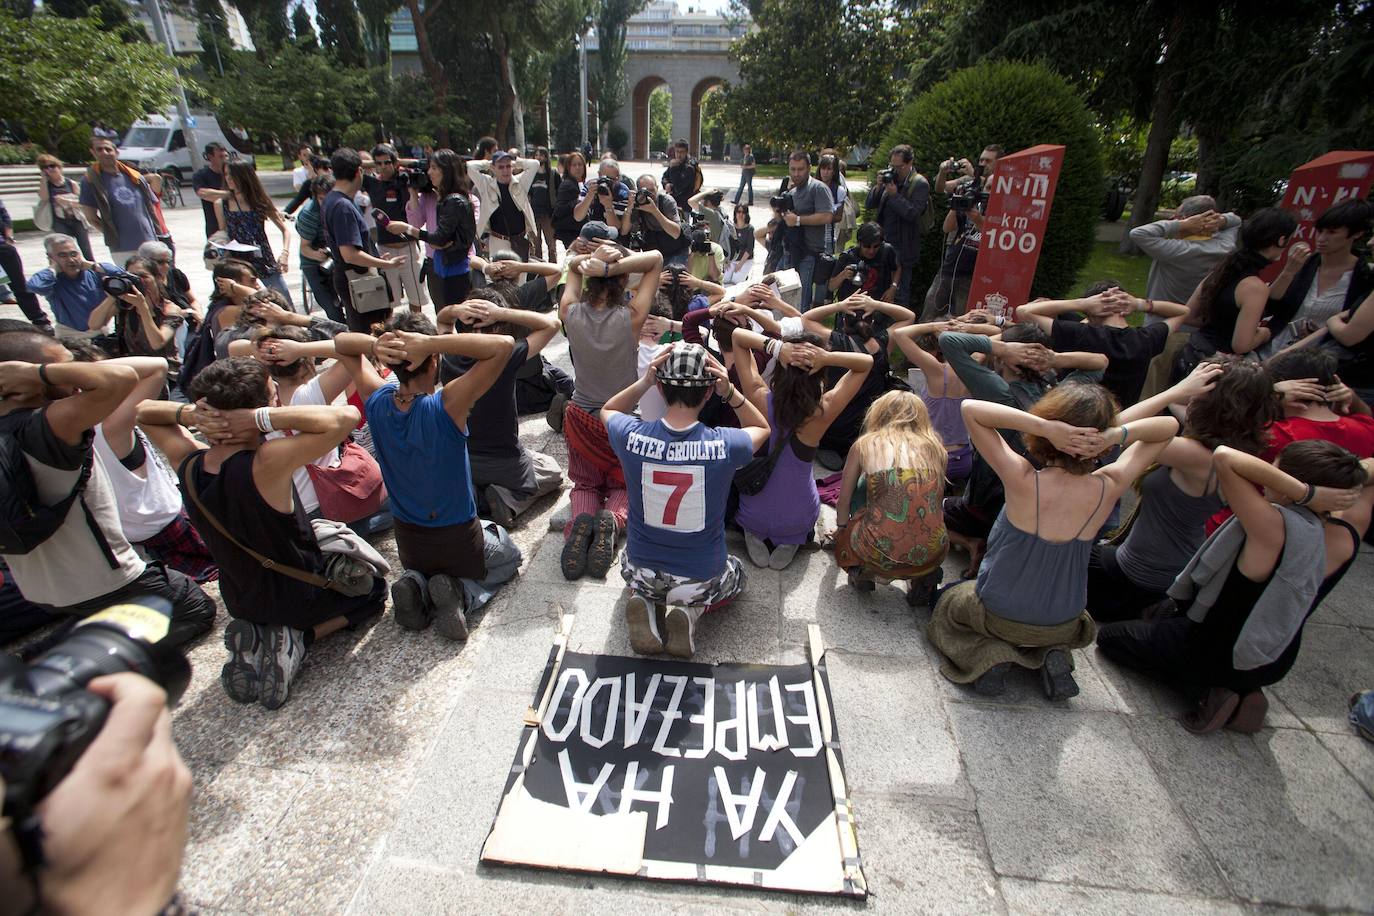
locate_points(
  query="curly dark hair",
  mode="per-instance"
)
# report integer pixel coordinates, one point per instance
(231, 384)
(1238, 410)
(1027, 333)
(797, 392)
(414, 323)
(1078, 404)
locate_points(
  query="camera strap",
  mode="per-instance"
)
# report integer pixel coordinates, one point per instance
(268, 563)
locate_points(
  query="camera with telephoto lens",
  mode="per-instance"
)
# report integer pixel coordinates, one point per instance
(696, 218)
(970, 194)
(48, 718)
(117, 285)
(783, 203)
(643, 196)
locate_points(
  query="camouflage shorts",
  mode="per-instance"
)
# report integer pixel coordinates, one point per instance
(665, 588)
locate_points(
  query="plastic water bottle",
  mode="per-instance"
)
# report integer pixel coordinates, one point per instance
(917, 380)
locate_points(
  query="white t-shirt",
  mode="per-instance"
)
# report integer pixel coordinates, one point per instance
(309, 395)
(298, 177)
(651, 404)
(146, 503)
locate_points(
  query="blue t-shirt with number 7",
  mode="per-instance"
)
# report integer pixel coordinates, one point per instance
(678, 482)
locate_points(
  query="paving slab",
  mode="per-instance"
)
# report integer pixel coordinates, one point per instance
(1333, 663)
(1282, 824)
(1350, 602)
(1036, 897)
(1355, 754)
(1069, 797)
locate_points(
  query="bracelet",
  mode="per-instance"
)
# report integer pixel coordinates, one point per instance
(772, 346)
(999, 320)
(1124, 432)
(1307, 497)
(1150, 306)
(43, 374)
(607, 266)
(181, 410)
(262, 419)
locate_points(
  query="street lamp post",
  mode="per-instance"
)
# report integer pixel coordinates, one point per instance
(582, 79)
(164, 32)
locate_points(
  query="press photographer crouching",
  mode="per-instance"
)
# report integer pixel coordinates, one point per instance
(870, 267)
(96, 795)
(967, 186)
(650, 223)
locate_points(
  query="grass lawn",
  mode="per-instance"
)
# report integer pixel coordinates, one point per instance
(1107, 264)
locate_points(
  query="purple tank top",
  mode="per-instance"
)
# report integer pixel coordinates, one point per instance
(945, 416)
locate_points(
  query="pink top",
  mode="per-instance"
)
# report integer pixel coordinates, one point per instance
(424, 215)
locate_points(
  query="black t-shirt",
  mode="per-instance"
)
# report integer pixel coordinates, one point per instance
(390, 197)
(507, 219)
(343, 225)
(848, 424)
(535, 295)
(876, 275)
(179, 288)
(1128, 352)
(493, 422)
(655, 238)
(683, 178)
(961, 254)
(207, 178)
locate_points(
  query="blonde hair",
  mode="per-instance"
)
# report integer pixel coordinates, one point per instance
(897, 433)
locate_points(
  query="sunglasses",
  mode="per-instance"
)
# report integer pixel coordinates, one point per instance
(50, 167)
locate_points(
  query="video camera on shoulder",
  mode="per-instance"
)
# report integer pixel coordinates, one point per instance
(48, 718)
(417, 178)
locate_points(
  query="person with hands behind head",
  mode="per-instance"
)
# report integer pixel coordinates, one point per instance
(507, 477)
(350, 244)
(130, 782)
(1247, 592)
(1227, 401)
(1316, 405)
(49, 406)
(781, 515)
(678, 473)
(603, 323)
(1129, 350)
(1026, 607)
(1311, 290)
(1354, 331)
(241, 496)
(416, 428)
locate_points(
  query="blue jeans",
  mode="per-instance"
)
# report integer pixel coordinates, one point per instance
(323, 291)
(806, 270)
(745, 180)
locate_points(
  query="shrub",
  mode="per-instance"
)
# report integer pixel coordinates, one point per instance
(360, 136)
(618, 139)
(18, 153)
(1016, 106)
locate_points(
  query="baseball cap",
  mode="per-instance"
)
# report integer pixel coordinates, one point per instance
(597, 231)
(501, 156)
(686, 366)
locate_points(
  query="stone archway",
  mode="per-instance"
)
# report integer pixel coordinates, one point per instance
(639, 115)
(698, 93)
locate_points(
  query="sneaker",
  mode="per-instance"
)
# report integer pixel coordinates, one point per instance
(642, 624)
(757, 550)
(241, 674)
(555, 412)
(408, 601)
(681, 625)
(282, 659)
(450, 606)
(921, 592)
(992, 682)
(782, 555)
(601, 553)
(1056, 675)
(573, 560)
(497, 510)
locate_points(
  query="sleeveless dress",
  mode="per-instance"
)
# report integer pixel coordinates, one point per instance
(250, 228)
(899, 532)
(786, 509)
(948, 421)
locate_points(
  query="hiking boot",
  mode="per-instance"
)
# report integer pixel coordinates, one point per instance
(601, 554)
(284, 653)
(242, 673)
(555, 413)
(573, 561)
(449, 604)
(681, 625)
(921, 592)
(992, 682)
(641, 621)
(1056, 675)
(497, 510)
(408, 601)
(757, 550)
(781, 556)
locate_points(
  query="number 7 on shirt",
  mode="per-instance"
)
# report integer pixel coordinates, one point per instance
(674, 497)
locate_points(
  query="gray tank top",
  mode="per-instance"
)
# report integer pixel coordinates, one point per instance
(604, 353)
(1030, 580)
(1167, 531)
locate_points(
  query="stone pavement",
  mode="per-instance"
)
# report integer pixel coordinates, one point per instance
(371, 791)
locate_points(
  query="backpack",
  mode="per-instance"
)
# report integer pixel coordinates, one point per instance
(25, 521)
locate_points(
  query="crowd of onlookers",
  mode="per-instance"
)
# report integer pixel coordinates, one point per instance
(1178, 473)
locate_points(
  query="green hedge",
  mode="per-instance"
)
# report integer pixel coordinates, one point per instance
(1016, 106)
(18, 154)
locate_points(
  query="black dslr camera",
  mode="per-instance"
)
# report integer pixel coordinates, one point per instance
(118, 285)
(783, 203)
(969, 195)
(642, 196)
(604, 185)
(48, 719)
(886, 176)
(701, 241)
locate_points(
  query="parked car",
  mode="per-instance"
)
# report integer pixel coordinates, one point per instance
(659, 156)
(157, 143)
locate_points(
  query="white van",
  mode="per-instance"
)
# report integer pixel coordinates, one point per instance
(157, 143)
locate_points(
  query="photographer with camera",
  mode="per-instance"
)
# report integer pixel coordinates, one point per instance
(505, 217)
(64, 543)
(705, 206)
(389, 191)
(705, 259)
(870, 267)
(606, 197)
(807, 207)
(682, 178)
(901, 197)
(650, 223)
(457, 228)
(73, 286)
(963, 229)
(145, 323)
